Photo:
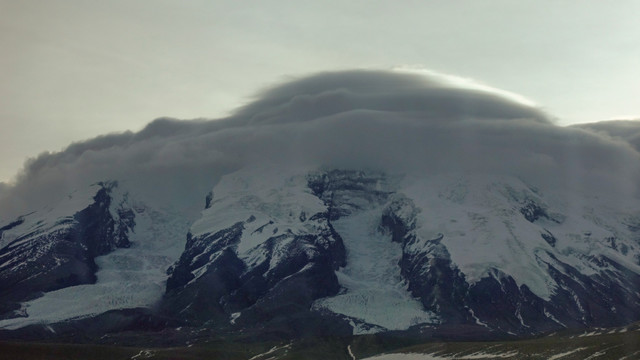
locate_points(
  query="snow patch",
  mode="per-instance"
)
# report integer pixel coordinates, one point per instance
(567, 353)
(415, 356)
(234, 317)
(270, 351)
(353, 357)
(408, 356)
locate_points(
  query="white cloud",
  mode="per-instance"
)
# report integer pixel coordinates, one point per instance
(392, 121)
(625, 130)
(464, 82)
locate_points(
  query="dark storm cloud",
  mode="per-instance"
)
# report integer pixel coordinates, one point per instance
(387, 121)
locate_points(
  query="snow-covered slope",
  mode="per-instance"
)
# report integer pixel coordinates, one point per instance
(419, 251)
(263, 248)
(525, 258)
(130, 273)
(494, 222)
(56, 247)
(366, 251)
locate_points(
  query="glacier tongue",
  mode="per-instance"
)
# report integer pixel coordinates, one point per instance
(375, 292)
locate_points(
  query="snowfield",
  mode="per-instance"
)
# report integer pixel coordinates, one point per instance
(484, 229)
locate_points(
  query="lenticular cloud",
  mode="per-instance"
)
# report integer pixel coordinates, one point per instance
(382, 120)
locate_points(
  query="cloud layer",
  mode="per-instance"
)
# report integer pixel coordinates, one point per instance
(429, 97)
(392, 121)
(625, 130)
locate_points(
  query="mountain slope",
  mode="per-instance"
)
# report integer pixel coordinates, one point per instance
(258, 254)
(57, 249)
(340, 252)
(86, 256)
(486, 250)
(343, 203)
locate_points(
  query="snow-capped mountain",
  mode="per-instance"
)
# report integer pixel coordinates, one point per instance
(336, 250)
(383, 252)
(345, 203)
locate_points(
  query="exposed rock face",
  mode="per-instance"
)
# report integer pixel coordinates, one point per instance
(46, 256)
(606, 298)
(269, 266)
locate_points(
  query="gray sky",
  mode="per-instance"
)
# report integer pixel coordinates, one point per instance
(74, 69)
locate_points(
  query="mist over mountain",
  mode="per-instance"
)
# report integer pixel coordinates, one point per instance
(341, 203)
(403, 122)
(627, 130)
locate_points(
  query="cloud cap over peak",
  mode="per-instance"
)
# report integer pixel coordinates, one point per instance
(399, 122)
(434, 96)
